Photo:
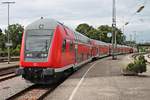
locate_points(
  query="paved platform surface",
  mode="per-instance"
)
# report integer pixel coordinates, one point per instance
(6, 65)
(102, 80)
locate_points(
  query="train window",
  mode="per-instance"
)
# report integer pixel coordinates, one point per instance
(35, 41)
(87, 56)
(64, 45)
(82, 56)
(71, 45)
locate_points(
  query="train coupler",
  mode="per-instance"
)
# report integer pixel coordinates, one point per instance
(19, 71)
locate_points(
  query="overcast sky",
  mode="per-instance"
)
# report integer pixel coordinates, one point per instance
(74, 12)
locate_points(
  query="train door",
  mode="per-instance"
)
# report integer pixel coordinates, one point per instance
(109, 50)
(76, 48)
(76, 52)
(97, 52)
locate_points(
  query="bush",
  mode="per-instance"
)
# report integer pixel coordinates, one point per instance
(16, 51)
(3, 53)
(130, 67)
(138, 66)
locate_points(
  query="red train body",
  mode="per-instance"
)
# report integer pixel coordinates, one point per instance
(49, 48)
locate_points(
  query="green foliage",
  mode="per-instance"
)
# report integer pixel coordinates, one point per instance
(15, 31)
(93, 33)
(83, 28)
(142, 59)
(0, 30)
(142, 49)
(130, 67)
(100, 33)
(2, 41)
(138, 66)
(16, 51)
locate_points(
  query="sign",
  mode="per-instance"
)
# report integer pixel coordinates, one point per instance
(109, 34)
(8, 44)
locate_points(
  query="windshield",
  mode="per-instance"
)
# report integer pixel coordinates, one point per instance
(37, 43)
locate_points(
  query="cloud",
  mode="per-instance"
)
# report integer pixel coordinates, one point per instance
(74, 12)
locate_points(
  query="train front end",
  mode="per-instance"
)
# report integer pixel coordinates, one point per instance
(35, 56)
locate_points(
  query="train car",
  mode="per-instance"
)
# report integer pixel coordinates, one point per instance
(99, 48)
(103, 48)
(50, 48)
(95, 49)
(83, 49)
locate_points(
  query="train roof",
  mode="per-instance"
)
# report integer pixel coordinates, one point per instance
(81, 37)
(43, 23)
(100, 42)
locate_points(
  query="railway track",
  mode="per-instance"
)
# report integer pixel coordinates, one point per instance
(8, 70)
(7, 76)
(36, 91)
(7, 73)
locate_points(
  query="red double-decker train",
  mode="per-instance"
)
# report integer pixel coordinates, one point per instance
(50, 48)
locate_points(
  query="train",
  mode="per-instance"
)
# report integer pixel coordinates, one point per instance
(49, 48)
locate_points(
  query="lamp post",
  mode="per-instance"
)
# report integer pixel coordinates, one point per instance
(8, 41)
(114, 40)
(140, 9)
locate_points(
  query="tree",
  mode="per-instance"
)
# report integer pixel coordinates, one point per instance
(105, 29)
(0, 30)
(15, 31)
(101, 33)
(88, 30)
(93, 34)
(120, 36)
(2, 40)
(83, 28)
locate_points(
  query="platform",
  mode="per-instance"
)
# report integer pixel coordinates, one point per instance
(99, 80)
(6, 65)
(102, 80)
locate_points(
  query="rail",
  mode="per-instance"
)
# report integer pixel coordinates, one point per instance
(38, 92)
(7, 76)
(8, 70)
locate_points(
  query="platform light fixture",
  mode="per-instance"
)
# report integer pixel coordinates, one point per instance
(8, 44)
(114, 40)
(140, 9)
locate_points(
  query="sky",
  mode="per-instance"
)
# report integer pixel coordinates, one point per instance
(75, 12)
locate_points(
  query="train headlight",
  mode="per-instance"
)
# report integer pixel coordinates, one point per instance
(43, 55)
(29, 55)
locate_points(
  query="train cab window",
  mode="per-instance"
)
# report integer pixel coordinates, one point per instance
(64, 46)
